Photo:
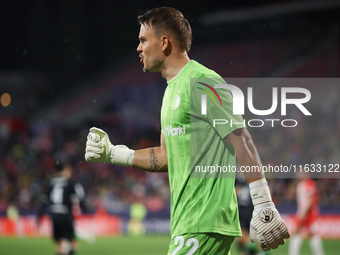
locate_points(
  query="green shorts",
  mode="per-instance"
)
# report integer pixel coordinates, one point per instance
(200, 244)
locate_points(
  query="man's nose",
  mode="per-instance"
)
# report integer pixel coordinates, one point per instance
(139, 48)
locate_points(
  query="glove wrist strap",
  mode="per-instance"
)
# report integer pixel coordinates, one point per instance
(259, 192)
(121, 155)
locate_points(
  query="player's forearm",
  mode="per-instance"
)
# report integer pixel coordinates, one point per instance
(249, 157)
(99, 149)
(262, 228)
(246, 153)
(151, 159)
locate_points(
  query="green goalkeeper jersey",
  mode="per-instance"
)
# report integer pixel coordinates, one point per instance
(202, 187)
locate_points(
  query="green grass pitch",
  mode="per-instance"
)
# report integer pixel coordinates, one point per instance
(124, 245)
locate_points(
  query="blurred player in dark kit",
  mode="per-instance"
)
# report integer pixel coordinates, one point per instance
(62, 196)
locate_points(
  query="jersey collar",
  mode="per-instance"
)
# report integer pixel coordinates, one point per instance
(180, 71)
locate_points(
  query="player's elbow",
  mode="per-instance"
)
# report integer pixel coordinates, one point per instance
(164, 160)
(240, 138)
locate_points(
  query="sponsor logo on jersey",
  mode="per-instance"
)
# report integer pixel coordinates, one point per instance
(169, 130)
(176, 102)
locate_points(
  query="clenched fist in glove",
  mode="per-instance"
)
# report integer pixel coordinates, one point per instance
(100, 150)
(266, 227)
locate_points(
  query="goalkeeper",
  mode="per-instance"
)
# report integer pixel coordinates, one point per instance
(204, 214)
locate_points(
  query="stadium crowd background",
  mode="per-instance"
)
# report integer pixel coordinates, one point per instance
(29, 159)
(46, 119)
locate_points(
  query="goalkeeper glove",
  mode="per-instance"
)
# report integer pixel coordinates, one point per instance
(100, 150)
(266, 227)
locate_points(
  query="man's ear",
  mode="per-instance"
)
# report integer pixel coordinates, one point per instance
(166, 45)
